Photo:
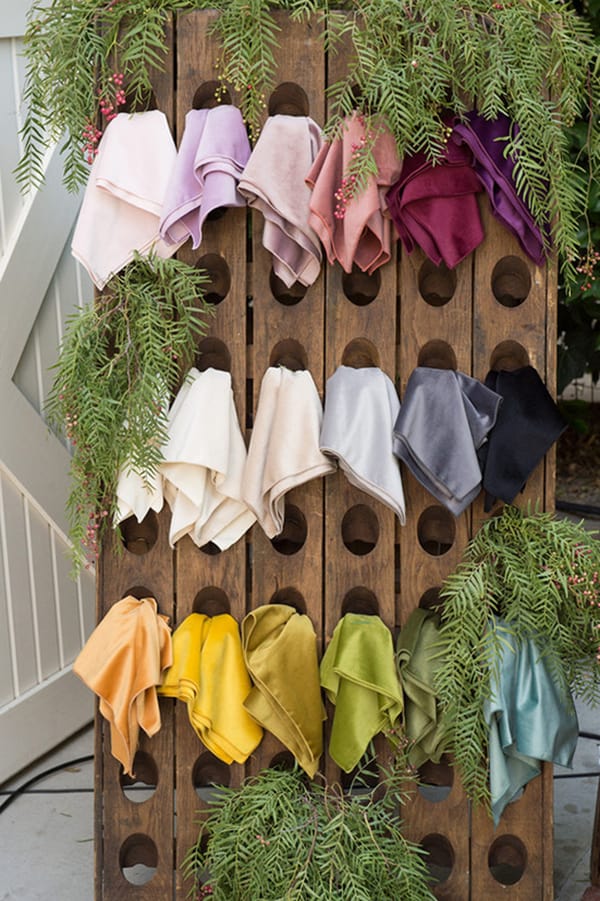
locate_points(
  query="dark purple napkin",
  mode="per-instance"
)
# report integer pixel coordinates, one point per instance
(485, 138)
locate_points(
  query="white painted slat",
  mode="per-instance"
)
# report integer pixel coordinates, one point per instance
(87, 592)
(41, 576)
(26, 374)
(10, 151)
(13, 16)
(69, 607)
(7, 663)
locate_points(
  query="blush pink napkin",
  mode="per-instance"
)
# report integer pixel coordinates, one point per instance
(273, 183)
(363, 235)
(435, 206)
(213, 152)
(124, 196)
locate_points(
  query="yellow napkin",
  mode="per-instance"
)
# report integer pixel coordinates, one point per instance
(209, 674)
(122, 662)
(358, 672)
(280, 650)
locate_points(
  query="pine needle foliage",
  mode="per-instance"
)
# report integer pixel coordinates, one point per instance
(281, 838)
(541, 576)
(120, 359)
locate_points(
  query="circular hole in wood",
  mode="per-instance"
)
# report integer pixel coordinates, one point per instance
(360, 353)
(440, 856)
(142, 784)
(436, 780)
(293, 535)
(284, 760)
(509, 355)
(437, 284)
(289, 353)
(213, 353)
(511, 281)
(288, 297)
(507, 859)
(288, 99)
(437, 355)
(210, 549)
(363, 778)
(139, 592)
(360, 530)
(217, 270)
(140, 537)
(211, 601)
(210, 94)
(138, 858)
(436, 530)
(290, 596)
(360, 600)
(430, 599)
(208, 771)
(360, 288)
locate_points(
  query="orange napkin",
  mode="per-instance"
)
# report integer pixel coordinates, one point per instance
(122, 662)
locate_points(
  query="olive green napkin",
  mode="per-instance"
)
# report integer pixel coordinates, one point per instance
(358, 671)
(280, 651)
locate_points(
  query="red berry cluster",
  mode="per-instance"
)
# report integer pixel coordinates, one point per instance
(347, 189)
(91, 135)
(587, 269)
(109, 109)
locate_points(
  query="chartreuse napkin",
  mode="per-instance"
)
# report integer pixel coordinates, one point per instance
(419, 654)
(280, 650)
(358, 672)
(209, 674)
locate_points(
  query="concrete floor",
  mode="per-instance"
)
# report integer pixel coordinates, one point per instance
(46, 839)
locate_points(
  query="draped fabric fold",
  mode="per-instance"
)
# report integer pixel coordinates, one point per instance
(445, 416)
(123, 199)
(204, 461)
(487, 140)
(280, 650)
(273, 183)
(359, 232)
(434, 205)
(209, 675)
(136, 496)
(213, 152)
(531, 719)
(358, 673)
(284, 447)
(361, 406)
(122, 662)
(528, 424)
(419, 654)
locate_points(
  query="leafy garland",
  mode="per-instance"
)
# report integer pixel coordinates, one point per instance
(120, 359)
(279, 836)
(541, 575)
(532, 59)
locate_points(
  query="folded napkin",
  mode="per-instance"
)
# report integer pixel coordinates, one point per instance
(434, 205)
(284, 447)
(419, 655)
(445, 416)
(361, 406)
(122, 662)
(213, 152)
(528, 424)
(359, 232)
(530, 717)
(209, 675)
(358, 672)
(124, 196)
(487, 140)
(203, 463)
(137, 496)
(280, 650)
(273, 183)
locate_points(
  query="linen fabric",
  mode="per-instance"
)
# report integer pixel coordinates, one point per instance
(280, 651)
(445, 416)
(123, 199)
(284, 446)
(531, 719)
(209, 675)
(358, 673)
(487, 140)
(528, 424)
(273, 183)
(213, 152)
(204, 461)
(136, 496)
(361, 406)
(419, 652)
(362, 236)
(434, 205)
(122, 662)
